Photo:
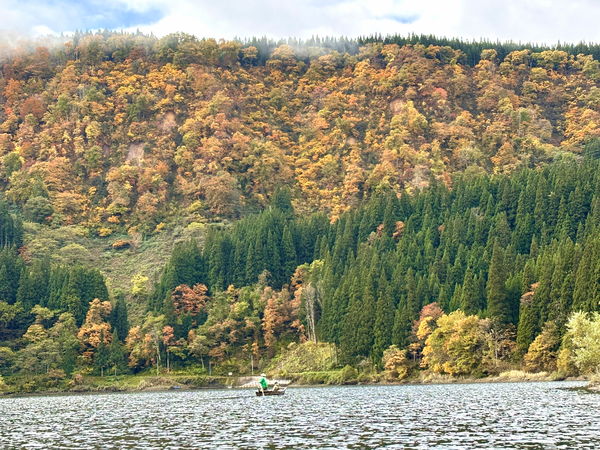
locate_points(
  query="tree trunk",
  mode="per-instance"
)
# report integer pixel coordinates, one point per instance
(157, 359)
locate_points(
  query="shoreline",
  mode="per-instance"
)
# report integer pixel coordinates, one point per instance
(167, 384)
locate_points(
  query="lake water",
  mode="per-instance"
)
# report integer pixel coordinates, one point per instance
(512, 415)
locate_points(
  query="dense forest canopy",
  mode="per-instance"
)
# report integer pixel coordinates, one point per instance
(518, 250)
(112, 130)
(498, 266)
(414, 202)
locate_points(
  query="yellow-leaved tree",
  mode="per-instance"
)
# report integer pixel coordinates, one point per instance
(457, 346)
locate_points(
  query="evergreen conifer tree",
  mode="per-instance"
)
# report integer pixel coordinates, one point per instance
(497, 299)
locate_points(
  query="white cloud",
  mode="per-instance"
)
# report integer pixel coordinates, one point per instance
(545, 21)
(520, 20)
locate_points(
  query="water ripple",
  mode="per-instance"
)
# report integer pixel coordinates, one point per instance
(515, 415)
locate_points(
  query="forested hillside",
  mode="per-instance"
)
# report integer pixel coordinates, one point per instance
(125, 132)
(471, 280)
(520, 250)
(394, 205)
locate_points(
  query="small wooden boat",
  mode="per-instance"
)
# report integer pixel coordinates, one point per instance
(270, 392)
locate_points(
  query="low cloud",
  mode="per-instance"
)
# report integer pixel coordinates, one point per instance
(543, 21)
(39, 17)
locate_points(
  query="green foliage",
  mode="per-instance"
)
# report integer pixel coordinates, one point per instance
(11, 267)
(498, 302)
(473, 247)
(116, 362)
(305, 357)
(11, 228)
(186, 266)
(583, 330)
(102, 358)
(49, 348)
(119, 318)
(7, 359)
(8, 313)
(346, 375)
(37, 209)
(72, 289)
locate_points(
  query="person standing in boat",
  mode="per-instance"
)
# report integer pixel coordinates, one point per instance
(263, 383)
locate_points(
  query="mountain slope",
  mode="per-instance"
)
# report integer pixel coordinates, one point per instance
(125, 132)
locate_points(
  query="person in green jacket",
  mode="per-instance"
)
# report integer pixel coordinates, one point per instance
(263, 383)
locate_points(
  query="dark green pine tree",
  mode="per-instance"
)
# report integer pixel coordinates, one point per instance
(59, 277)
(273, 260)
(253, 262)
(529, 319)
(186, 266)
(239, 264)
(288, 254)
(583, 280)
(117, 360)
(413, 302)
(507, 202)
(472, 298)
(501, 231)
(81, 286)
(347, 328)
(368, 221)
(11, 267)
(444, 298)
(11, 228)
(391, 213)
(25, 289)
(543, 291)
(576, 212)
(101, 357)
(357, 330)
(498, 305)
(343, 248)
(34, 285)
(119, 318)
(330, 323)
(219, 263)
(524, 221)
(282, 200)
(565, 301)
(402, 326)
(384, 321)
(524, 233)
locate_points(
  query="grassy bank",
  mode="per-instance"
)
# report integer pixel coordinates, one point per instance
(43, 384)
(40, 384)
(349, 376)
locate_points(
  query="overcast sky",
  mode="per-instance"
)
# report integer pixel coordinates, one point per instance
(543, 21)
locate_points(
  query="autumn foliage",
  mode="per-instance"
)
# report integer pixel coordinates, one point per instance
(189, 300)
(95, 330)
(112, 129)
